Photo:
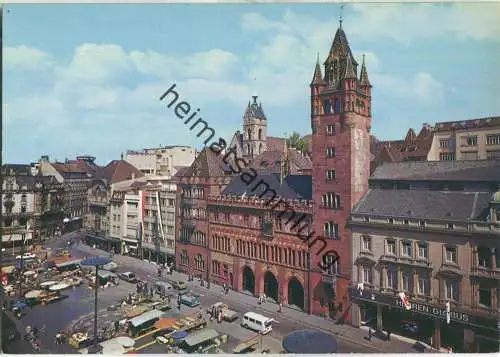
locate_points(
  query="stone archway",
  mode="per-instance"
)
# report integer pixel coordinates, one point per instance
(248, 279)
(271, 286)
(295, 293)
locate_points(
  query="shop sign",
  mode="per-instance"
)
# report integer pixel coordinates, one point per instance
(436, 311)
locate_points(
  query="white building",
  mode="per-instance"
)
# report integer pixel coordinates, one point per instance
(162, 161)
(142, 218)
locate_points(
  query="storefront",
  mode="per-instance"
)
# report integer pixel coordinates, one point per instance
(466, 332)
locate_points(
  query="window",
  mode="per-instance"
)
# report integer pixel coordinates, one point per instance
(330, 152)
(367, 275)
(423, 285)
(444, 143)
(366, 243)
(451, 226)
(421, 223)
(331, 200)
(184, 258)
(330, 129)
(330, 175)
(406, 221)
(451, 255)
(333, 264)
(392, 279)
(469, 155)
(390, 220)
(451, 290)
(469, 140)
(391, 247)
(447, 156)
(406, 249)
(484, 296)
(331, 230)
(493, 155)
(493, 139)
(484, 257)
(200, 263)
(423, 251)
(407, 282)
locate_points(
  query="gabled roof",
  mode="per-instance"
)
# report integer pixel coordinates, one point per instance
(119, 170)
(473, 170)
(274, 143)
(293, 187)
(270, 162)
(206, 164)
(16, 169)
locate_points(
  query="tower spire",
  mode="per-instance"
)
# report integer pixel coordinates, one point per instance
(317, 77)
(363, 77)
(340, 16)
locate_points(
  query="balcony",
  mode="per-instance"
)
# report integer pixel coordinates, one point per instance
(485, 272)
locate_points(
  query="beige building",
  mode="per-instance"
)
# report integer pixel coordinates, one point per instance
(141, 219)
(432, 232)
(476, 139)
(162, 161)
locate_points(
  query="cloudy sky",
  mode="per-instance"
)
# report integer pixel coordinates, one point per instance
(86, 79)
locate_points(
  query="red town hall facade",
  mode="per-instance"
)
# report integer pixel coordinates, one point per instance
(227, 229)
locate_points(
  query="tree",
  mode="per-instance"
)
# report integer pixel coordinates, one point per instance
(297, 142)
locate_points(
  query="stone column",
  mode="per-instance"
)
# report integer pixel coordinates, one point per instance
(493, 259)
(379, 318)
(436, 336)
(399, 275)
(356, 314)
(384, 277)
(415, 282)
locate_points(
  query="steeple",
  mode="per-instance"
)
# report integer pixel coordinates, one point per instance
(363, 78)
(285, 164)
(317, 77)
(349, 70)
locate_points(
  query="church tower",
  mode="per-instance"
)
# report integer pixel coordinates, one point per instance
(254, 130)
(341, 123)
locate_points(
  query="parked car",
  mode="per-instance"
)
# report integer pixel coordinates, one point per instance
(190, 300)
(111, 266)
(26, 256)
(128, 276)
(179, 285)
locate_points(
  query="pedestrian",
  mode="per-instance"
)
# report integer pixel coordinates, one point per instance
(369, 333)
(388, 334)
(219, 316)
(117, 326)
(280, 307)
(264, 298)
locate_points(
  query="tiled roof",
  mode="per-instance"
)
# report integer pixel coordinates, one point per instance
(119, 170)
(29, 181)
(181, 171)
(275, 144)
(270, 161)
(293, 187)
(467, 124)
(206, 164)
(16, 169)
(474, 170)
(423, 204)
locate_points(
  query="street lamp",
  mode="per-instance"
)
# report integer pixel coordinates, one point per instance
(23, 242)
(96, 261)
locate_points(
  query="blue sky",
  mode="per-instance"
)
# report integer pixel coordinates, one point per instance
(85, 79)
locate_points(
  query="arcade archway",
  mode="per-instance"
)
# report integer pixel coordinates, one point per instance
(271, 286)
(295, 293)
(248, 280)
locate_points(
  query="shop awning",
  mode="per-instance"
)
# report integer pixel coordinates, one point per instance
(68, 263)
(8, 269)
(310, 341)
(198, 337)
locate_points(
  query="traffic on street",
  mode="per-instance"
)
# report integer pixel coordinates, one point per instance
(143, 308)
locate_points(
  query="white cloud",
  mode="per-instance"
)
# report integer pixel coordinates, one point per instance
(41, 111)
(26, 58)
(423, 87)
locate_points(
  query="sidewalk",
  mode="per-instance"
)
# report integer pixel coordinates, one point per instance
(346, 332)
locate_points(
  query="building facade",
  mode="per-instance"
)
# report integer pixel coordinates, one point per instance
(252, 242)
(341, 123)
(430, 231)
(474, 139)
(162, 161)
(207, 176)
(32, 205)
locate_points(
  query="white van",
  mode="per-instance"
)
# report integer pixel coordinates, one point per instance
(257, 322)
